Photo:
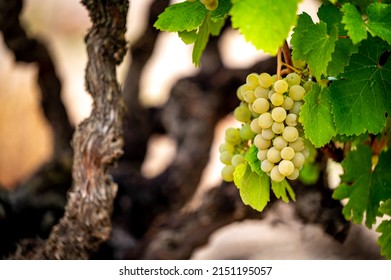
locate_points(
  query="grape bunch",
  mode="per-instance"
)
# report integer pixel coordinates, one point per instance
(269, 110)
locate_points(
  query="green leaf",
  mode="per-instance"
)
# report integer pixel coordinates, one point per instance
(340, 58)
(365, 188)
(184, 16)
(253, 188)
(252, 159)
(331, 15)
(280, 189)
(188, 37)
(314, 44)
(316, 117)
(201, 42)
(266, 24)
(379, 21)
(353, 23)
(385, 229)
(361, 98)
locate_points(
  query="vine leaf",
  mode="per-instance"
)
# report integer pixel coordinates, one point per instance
(316, 117)
(256, 20)
(314, 43)
(254, 189)
(365, 85)
(280, 189)
(365, 188)
(385, 229)
(354, 24)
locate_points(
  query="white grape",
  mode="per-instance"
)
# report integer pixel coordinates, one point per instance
(261, 143)
(267, 133)
(277, 99)
(226, 147)
(227, 173)
(226, 157)
(291, 119)
(290, 133)
(232, 135)
(267, 166)
(242, 113)
(261, 92)
(288, 103)
(292, 79)
(265, 80)
(278, 114)
(298, 160)
(255, 126)
(286, 167)
(294, 175)
(262, 154)
(279, 143)
(252, 80)
(280, 86)
(296, 92)
(246, 132)
(298, 145)
(260, 105)
(249, 96)
(276, 175)
(287, 153)
(296, 108)
(265, 120)
(237, 159)
(273, 155)
(278, 127)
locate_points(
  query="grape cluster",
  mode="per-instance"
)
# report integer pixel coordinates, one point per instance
(269, 111)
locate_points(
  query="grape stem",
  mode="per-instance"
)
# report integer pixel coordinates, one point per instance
(279, 64)
(286, 52)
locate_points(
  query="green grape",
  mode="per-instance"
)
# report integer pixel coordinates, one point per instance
(237, 159)
(267, 166)
(277, 99)
(239, 93)
(286, 167)
(291, 119)
(265, 80)
(275, 175)
(278, 127)
(260, 105)
(288, 103)
(307, 85)
(248, 96)
(261, 92)
(226, 147)
(280, 86)
(278, 114)
(294, 175)
(305, 152)
(246, 133)
(279, 143)
(292, 79)
(252, 80)
(227, 173)
(290, 134)
(211, 5)
(242, 113)
(232, 136)
(273, 155)
(298, 145)
(267, 133)
(265, 120)
(261, 143)
(296, 92)
(298, 160)
(296, 108)
(255, 126)
(262, 154)
(226, 157)
(287, 153)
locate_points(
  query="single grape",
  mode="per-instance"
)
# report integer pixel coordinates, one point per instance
(273, 155)
(306, 152)
(298, 160)
(277, 99)
(287, 153)
(294, 175)
(290, 133)
(280, 86)
(278, 114)
(265, 80)
(286, 167)
(275, 175)
(296, 92)
(237, 159)
(296, 108)
(226, 157)
(261, 143)
(242, 113)
(239, 93)
(261, 92)
(262, 154)
(246, 132)
(279, 143)
(288, 103)
(298, 145)
(232, 135)
(252, 80)
(307, 85)
(211, 5)
(267, 133)
(255, 126)
(267, 166)
(226, 147)
(291, 119)
(292, 79)
(249, 96)
(265, 120)
(260, 105)
(278, 127)
(227, 173)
